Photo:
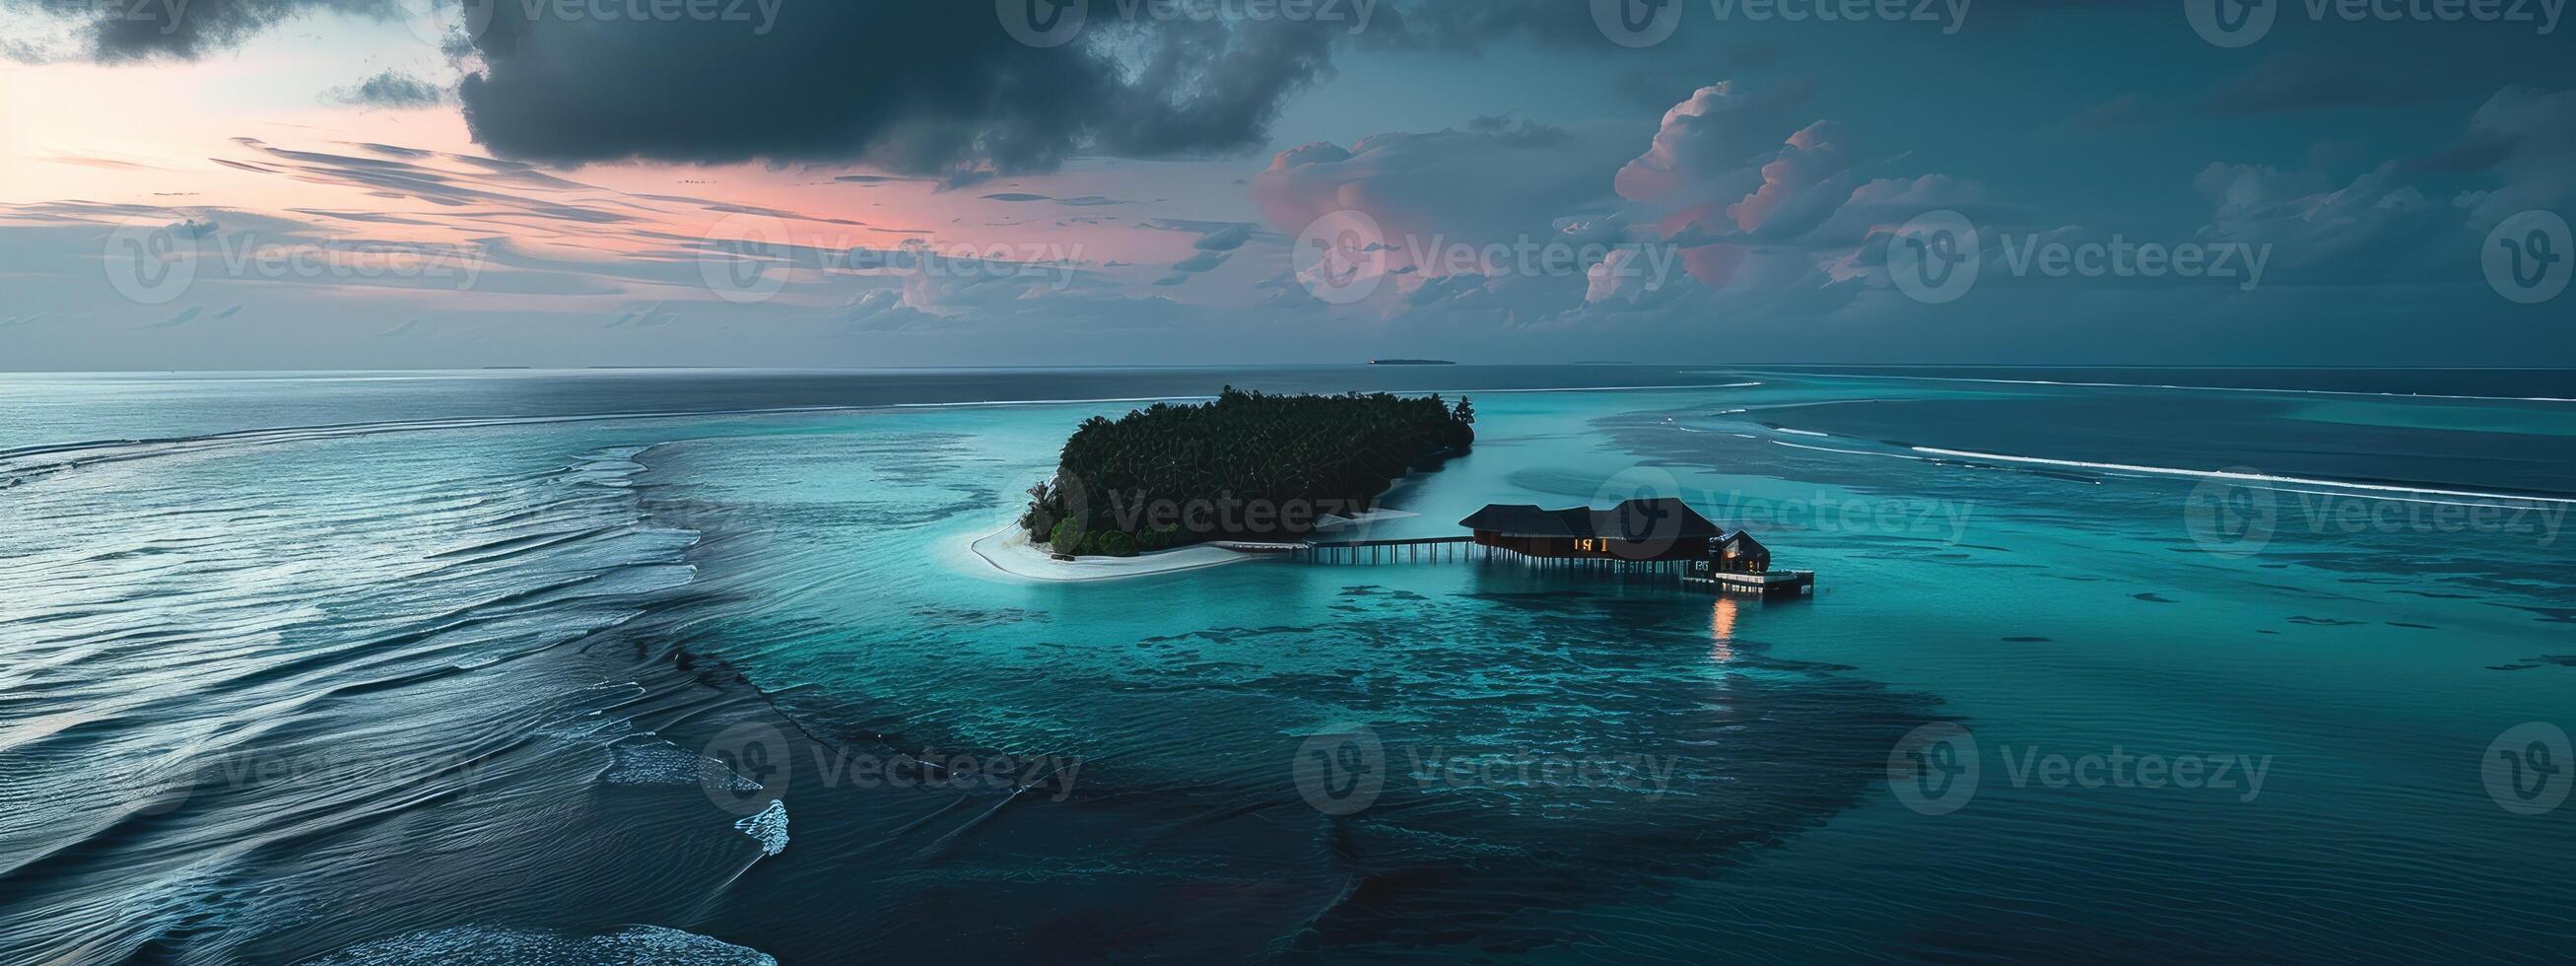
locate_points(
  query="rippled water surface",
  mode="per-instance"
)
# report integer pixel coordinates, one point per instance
(682, 666)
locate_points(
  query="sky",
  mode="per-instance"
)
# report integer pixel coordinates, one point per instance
(368, 184)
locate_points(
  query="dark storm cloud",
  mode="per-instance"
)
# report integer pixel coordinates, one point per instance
(916, 87)
(391, 89)
(2315, 80)
(123, 30)
(931, 88)
(2124, 111)
(1466, 26)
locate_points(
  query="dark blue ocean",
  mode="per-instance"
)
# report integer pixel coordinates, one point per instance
(698, 666)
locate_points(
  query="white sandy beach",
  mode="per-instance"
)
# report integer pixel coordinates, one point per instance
(1009, 551)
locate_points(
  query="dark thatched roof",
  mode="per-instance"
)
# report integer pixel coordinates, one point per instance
(1663, 518)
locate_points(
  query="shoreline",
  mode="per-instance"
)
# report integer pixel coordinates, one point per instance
(1008, 550)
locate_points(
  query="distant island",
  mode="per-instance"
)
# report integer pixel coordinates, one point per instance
(1411, 362)
(1248, 466)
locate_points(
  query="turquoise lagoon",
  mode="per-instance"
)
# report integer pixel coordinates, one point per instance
(356, 667)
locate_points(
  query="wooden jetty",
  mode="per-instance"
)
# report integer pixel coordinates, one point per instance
(1640, 538)
(1428, 550)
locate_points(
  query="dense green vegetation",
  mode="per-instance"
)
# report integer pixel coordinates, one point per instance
(1247, 466)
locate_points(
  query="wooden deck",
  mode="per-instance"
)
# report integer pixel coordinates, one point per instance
(1463, 549)
(1766, 584)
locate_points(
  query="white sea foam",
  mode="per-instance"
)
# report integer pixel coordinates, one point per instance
(660, 763)
(638, 945)
(1329, 521)
(1008, 550)
(1696, 385)
(2241, 476)
(1829, 449)
(769, 828)
(2151, 385)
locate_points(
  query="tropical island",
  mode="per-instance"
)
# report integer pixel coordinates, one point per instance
(1248, 467)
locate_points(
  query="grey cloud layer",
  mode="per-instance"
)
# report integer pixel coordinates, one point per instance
(913, 87)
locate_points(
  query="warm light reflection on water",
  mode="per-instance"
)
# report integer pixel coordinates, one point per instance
(1721, 630)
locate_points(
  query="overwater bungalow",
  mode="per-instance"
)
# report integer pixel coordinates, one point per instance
(1661, 535)
(1661, 530)
(1742, 565)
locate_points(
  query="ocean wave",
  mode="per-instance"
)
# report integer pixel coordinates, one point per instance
(26, 462)
(196, 660)
(2152, 385)
(2242, 476)
(636, 945)
(654, 762)
(769, 828)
